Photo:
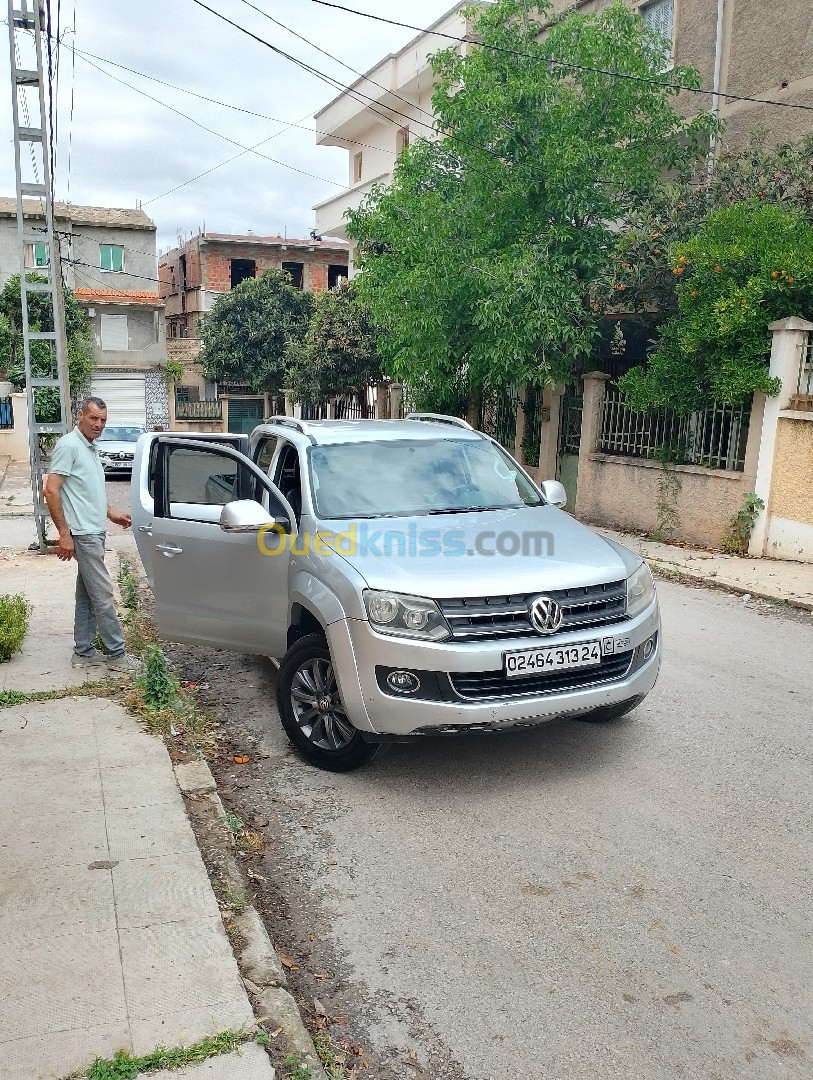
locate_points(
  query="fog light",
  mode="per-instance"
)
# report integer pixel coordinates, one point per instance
(649, 648)
(403, 682)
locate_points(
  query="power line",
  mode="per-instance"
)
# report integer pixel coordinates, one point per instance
(211, 131)
(552, 61)
(331, 56)
(336, 84)
(83, 53)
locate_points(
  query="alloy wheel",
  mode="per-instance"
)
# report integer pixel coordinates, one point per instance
(317, 705)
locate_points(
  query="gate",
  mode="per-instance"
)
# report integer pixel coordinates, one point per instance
(245, 414)
(570, 432)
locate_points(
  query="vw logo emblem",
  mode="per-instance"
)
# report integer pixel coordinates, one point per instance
(546, 615)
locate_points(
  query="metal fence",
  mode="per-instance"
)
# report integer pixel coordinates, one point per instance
(715, 437)
(803, 398)
(199, 410)
(6, 414)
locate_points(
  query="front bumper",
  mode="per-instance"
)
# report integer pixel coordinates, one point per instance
(462, 686)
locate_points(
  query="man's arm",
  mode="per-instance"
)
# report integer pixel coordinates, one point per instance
(118, 519)
(53, 500)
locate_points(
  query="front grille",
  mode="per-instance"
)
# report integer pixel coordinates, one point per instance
(484, 617)
(485, 685)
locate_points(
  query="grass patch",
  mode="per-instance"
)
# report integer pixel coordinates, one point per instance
(103, 688)
(14, 612)
(122, 1066)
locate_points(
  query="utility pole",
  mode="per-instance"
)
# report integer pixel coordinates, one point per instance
(26, 26)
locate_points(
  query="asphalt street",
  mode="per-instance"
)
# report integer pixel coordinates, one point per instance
(580, 901)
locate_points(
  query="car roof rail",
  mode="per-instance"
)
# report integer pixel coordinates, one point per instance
(440, 418)
(292, 422)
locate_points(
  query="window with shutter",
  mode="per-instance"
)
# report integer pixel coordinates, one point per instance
(660, 17)
(111, 257)
(114, 333)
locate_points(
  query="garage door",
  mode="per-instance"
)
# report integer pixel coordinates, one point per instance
(126, 401)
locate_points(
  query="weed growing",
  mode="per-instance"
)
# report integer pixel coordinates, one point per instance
(14, 612)
(123, 1066)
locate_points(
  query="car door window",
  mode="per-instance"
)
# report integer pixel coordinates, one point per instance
(264, 452)
(201, 482)
(287, 477)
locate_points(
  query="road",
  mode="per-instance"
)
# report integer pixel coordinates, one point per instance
(612, 901)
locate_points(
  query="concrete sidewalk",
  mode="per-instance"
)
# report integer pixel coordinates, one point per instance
(110, 934)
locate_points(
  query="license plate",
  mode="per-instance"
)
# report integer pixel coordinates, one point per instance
(556, 658)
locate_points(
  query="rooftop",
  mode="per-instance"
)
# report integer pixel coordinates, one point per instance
(117, 296)
(81, 215)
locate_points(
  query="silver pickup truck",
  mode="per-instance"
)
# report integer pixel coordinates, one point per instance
(409, 576)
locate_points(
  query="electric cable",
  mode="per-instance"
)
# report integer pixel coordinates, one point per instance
(204, 127)
(331, 56)
(562, 63)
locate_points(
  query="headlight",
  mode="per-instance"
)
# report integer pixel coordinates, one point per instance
(405, 616)
(640, 591)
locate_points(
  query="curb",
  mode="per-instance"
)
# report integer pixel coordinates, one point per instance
(685, 575)
(260, 969)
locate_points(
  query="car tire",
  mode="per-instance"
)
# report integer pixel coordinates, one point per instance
(611, 712)
(325, 737)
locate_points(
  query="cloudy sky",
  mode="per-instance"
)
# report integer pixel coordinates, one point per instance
(125, 148)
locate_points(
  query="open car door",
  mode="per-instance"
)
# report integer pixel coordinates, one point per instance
(215, 586)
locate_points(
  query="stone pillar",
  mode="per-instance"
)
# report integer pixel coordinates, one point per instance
(550, 415)
(330, 409)
(396, 391)
(380, 401)
(520, 435)
(289, 404)
(595, 385)
(789, 336)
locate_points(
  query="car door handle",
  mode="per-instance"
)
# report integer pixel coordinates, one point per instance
(169, 549)
(145, 529)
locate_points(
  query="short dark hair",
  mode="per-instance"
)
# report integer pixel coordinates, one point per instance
(91, 399)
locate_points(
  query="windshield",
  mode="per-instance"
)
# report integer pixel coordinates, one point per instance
(403, 478)
(121, 434)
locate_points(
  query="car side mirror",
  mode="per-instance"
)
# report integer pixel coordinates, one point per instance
(554, 493)
(247, 516)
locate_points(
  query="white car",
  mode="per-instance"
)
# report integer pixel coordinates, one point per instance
(117, 447)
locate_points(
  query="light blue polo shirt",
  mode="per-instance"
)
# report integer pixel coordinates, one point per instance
(84, 499)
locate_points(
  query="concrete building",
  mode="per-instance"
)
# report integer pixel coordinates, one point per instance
(109, 260)
(747, 48)
(193, 275)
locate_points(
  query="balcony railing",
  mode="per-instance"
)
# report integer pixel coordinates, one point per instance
(199, 410)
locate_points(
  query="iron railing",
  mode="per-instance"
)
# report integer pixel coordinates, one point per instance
(802, 400)
(6, 414)
(199, 410)
(714, 437)
(498, 415)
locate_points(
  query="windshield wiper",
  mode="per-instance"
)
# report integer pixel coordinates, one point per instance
(469, 509)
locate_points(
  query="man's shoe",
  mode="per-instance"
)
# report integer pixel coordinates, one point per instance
(91, 659)
(124, 664)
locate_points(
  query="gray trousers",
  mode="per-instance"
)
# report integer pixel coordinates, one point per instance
(95, 607)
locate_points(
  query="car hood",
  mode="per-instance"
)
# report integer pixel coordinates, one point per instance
(112, 446)
(448, 555)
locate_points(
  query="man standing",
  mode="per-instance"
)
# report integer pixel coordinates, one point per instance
(77, 501)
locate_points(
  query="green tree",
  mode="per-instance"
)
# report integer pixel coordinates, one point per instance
(751, 263)
(481, 260)
(248, 331)
(41, 317)
(339, 354)
(642, 279)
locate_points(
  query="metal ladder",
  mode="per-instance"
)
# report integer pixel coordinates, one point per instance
(25, 18)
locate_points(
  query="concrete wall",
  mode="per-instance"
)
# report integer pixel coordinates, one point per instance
(790, 525)
(623, 492)
(140, 259)
(145, 333)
